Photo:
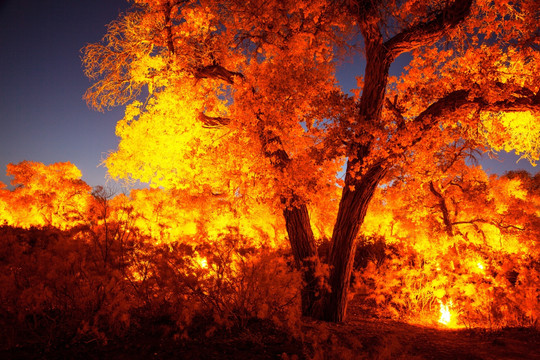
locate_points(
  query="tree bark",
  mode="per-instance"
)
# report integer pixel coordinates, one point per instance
(360, 184)
(305, 254)
(361, 178)
(444, 209)
(298, 225)
(353, 206)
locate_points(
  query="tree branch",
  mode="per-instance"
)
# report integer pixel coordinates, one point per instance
(397, 112)
(273, 147)
(428, 32)
(499, 225)
(444, 209)
(213, 122)
(168, 27)
(461, 99)
(217, 72)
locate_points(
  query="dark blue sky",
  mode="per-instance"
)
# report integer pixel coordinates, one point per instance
(42, 115)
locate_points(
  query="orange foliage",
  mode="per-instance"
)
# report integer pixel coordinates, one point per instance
(126, 260)
(482, 256)
(482, 274)
(45, 195)
(244, 127)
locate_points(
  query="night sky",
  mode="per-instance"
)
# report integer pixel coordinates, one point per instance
(42, 115)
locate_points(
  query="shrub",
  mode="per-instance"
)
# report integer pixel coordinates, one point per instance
(487, 289)
(91, 285)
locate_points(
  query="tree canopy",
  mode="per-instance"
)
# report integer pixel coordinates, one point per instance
(240, 99)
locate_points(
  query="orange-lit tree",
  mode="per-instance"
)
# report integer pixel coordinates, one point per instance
(239, 99)
(45, 195)
(454, 235)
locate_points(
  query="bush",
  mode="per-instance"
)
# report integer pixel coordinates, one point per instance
(486, 289)
(91, 285)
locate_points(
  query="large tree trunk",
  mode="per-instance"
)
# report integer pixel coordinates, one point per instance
(360, 184)
(353, 206)
(298, 225)
(305, 254)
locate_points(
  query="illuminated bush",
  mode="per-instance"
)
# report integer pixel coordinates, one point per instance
(485, 290)
(62, 287)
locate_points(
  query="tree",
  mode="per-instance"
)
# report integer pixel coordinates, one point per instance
(454, 235)
(50, 195)
(240, 99)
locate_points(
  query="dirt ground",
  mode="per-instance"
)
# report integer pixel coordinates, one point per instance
(358, 338)
(385, 339)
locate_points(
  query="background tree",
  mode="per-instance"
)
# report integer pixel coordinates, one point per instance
(50, 195)
(452, 235)
(240, 99)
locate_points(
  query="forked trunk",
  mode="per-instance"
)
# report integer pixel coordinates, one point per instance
(357, 194)
(316, 302)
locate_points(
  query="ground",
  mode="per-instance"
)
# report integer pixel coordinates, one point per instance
(385, 339)
(358, 338)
